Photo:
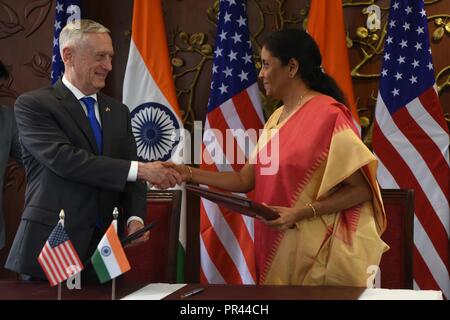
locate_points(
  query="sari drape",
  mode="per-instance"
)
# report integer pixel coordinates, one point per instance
(318, 148)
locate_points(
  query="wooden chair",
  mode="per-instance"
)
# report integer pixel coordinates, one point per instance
(397, 264)
(155, 261)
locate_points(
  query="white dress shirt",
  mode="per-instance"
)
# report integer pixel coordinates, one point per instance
(132, 173)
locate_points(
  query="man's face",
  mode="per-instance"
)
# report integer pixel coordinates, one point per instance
(89, 63)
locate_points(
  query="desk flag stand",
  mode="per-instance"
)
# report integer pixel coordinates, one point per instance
(61, 218)
(113, 286)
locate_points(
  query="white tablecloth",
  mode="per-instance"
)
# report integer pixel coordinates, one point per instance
(399, 294)
(157, 291)
(154, 291)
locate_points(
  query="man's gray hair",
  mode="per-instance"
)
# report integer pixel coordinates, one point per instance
(74, 31)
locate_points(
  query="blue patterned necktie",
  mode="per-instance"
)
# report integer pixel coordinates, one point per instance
(96, 129)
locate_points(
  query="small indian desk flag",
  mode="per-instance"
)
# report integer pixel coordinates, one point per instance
(109, 260)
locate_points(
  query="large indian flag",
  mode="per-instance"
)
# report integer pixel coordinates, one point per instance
(326, 25)
(109, 260)
(149, 92)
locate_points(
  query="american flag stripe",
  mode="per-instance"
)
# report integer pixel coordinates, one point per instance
(236, 251)
(46, 267)
(254, 95)
(429, 99)
(70, 251)
(53, 259)
(422, 108)
(413, 159)
(431, 131)
(216, 250)
(215, 148)
(404, 174)
(226, 117)
(426, 201)
(61, 258)
(63, 265)
(246, 111)
(248, 221)
(242, 232)
(385, 178)
(53, 268)
(429, 252)
(67, 258)
(423, 277)
(423, 152)
(229, 115)
(213, 275)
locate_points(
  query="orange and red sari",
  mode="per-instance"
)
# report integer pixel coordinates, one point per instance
(318, 148)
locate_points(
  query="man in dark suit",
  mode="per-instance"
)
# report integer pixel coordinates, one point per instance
(9, 148)
(79, 154)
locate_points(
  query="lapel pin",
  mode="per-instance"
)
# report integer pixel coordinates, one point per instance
(107, 109)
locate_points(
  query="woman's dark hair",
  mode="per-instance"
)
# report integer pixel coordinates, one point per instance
(3, 71)
(297, 44)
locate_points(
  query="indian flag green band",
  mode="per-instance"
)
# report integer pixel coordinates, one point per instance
(181, 254)
(100, 267)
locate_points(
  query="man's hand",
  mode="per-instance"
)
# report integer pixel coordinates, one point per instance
(134, 226)
(157, 174)
(182, 169)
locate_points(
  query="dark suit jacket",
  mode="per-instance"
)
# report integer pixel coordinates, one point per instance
(64, 171)
(9, 147)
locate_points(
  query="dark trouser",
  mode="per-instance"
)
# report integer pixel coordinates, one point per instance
(88, 274)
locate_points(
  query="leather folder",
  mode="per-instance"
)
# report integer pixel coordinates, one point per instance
(138, 233)
(234, 202)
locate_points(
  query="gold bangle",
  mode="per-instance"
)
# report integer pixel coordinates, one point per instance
(313, 209)
(190, 173)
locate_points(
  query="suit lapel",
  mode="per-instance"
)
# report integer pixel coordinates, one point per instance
(73, 106)
(107, 125)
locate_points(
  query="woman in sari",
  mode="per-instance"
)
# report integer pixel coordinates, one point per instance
(330, 211)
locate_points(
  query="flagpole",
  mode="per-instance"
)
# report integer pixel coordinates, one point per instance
(59, 291)
(113, 294)
(113, 287)
(61, 219)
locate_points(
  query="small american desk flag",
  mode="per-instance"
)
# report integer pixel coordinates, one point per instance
(411, 140)
(58, 257)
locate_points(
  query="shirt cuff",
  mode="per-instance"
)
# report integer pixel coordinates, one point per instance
(132, 174)
(135, 218)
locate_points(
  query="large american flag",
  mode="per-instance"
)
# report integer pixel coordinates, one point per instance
(64, 10)
(411, 140)
(227, 238)
(58, 257)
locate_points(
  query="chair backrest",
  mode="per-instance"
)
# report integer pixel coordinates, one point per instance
(397, 264)
(155, 260)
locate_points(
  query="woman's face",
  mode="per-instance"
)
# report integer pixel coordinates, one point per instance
(273, 74)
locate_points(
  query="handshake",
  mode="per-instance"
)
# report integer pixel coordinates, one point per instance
(163, 174)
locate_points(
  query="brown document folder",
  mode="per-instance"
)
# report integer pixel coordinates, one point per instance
(235, 203)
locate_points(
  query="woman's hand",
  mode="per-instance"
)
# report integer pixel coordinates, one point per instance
(288, 217)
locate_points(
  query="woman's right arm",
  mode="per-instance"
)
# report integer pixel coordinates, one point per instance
(241, 181)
